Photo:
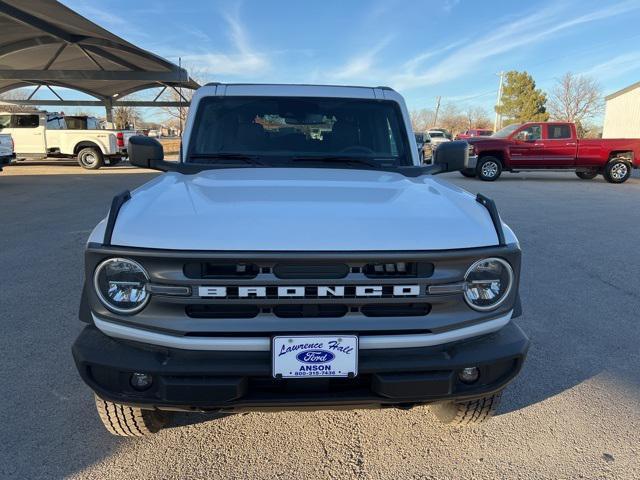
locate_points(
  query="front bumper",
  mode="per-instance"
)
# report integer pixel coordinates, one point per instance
(473, 161)
(235, 380)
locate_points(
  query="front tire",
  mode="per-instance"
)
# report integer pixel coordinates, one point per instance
(90, 158)
(489, 169)
(471, 412)
(587, 174)
(125, 421)
(618, 170)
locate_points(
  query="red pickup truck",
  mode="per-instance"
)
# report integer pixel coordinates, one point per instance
(474, 132)
(551, 146)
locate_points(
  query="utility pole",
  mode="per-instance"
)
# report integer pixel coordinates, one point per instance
(435, 117)
(180, 99)
(497, 124)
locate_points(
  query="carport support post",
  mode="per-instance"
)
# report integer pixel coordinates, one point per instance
(108, 105)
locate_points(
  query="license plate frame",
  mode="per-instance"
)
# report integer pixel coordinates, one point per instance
(314, 356)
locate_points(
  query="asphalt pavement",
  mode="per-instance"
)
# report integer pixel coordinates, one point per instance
(574, 412)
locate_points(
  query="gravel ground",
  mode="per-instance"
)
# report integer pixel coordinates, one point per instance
(574, 412)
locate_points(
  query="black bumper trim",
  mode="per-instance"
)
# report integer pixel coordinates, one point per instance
(225, 380)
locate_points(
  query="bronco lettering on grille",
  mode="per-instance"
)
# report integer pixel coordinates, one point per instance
(302, 291)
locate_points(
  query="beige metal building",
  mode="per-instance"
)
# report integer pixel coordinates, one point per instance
(622, 113)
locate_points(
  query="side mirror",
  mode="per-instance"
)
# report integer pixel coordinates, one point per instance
(147, 152)
(452, 156)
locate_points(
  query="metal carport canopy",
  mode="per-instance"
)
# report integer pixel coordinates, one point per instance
(44, 43)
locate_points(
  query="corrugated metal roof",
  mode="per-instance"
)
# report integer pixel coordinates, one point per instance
(42, 42)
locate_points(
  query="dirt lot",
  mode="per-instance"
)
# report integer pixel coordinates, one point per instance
(573, 413)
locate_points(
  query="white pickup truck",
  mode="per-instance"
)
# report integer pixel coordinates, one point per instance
(6, 149)
(42, 134)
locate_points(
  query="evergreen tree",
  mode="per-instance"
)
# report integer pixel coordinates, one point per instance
(521, 101)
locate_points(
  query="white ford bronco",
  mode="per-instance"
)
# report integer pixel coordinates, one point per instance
(298, 255)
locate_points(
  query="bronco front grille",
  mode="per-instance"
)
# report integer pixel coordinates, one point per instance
(267, 293)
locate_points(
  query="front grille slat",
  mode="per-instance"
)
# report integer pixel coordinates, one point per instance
(223, 270)
(396, 310)
(310, 311)
(222, 311)
(311, 271)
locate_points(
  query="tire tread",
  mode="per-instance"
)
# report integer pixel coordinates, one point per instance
(126, 421)
(468, 413)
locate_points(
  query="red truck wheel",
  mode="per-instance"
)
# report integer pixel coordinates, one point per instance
(489, 169)
(617, 170)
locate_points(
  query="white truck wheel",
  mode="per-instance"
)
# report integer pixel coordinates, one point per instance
(90, 158)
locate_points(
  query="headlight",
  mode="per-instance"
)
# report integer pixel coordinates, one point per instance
(488, 283)
(121, 285)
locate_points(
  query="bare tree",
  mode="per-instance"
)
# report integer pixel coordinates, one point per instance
(126, 117)
(452, 119)
(477, 117)
(20, 94)
(421, 120)
(575, 98)
(177, 115)
(589, 130)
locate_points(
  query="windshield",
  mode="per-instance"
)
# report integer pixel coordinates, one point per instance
(436, 134)
(506, 131)
(277, 130)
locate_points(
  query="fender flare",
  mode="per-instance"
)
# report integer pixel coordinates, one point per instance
(88, 144)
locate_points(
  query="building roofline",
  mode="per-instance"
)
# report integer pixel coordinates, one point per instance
(623, 91)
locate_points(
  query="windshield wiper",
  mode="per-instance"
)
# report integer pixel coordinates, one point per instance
(253, 159)
(339, 159)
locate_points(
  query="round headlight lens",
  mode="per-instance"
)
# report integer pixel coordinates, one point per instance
(488, 283)
(121, 285)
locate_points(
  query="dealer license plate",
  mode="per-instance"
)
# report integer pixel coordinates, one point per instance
(316, 356)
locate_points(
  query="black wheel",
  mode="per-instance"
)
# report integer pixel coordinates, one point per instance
(125, 421)
(587, 174)
(468, 172)
(618, 170)
(467, 413)
(90, 158)
(489, 169)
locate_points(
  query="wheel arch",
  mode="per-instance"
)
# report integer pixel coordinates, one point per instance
(87, 144)
(499, 154)
(626, 154)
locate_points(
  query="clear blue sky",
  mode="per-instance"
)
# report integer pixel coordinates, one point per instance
(424, 49)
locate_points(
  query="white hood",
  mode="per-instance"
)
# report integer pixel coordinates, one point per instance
(300, 209)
